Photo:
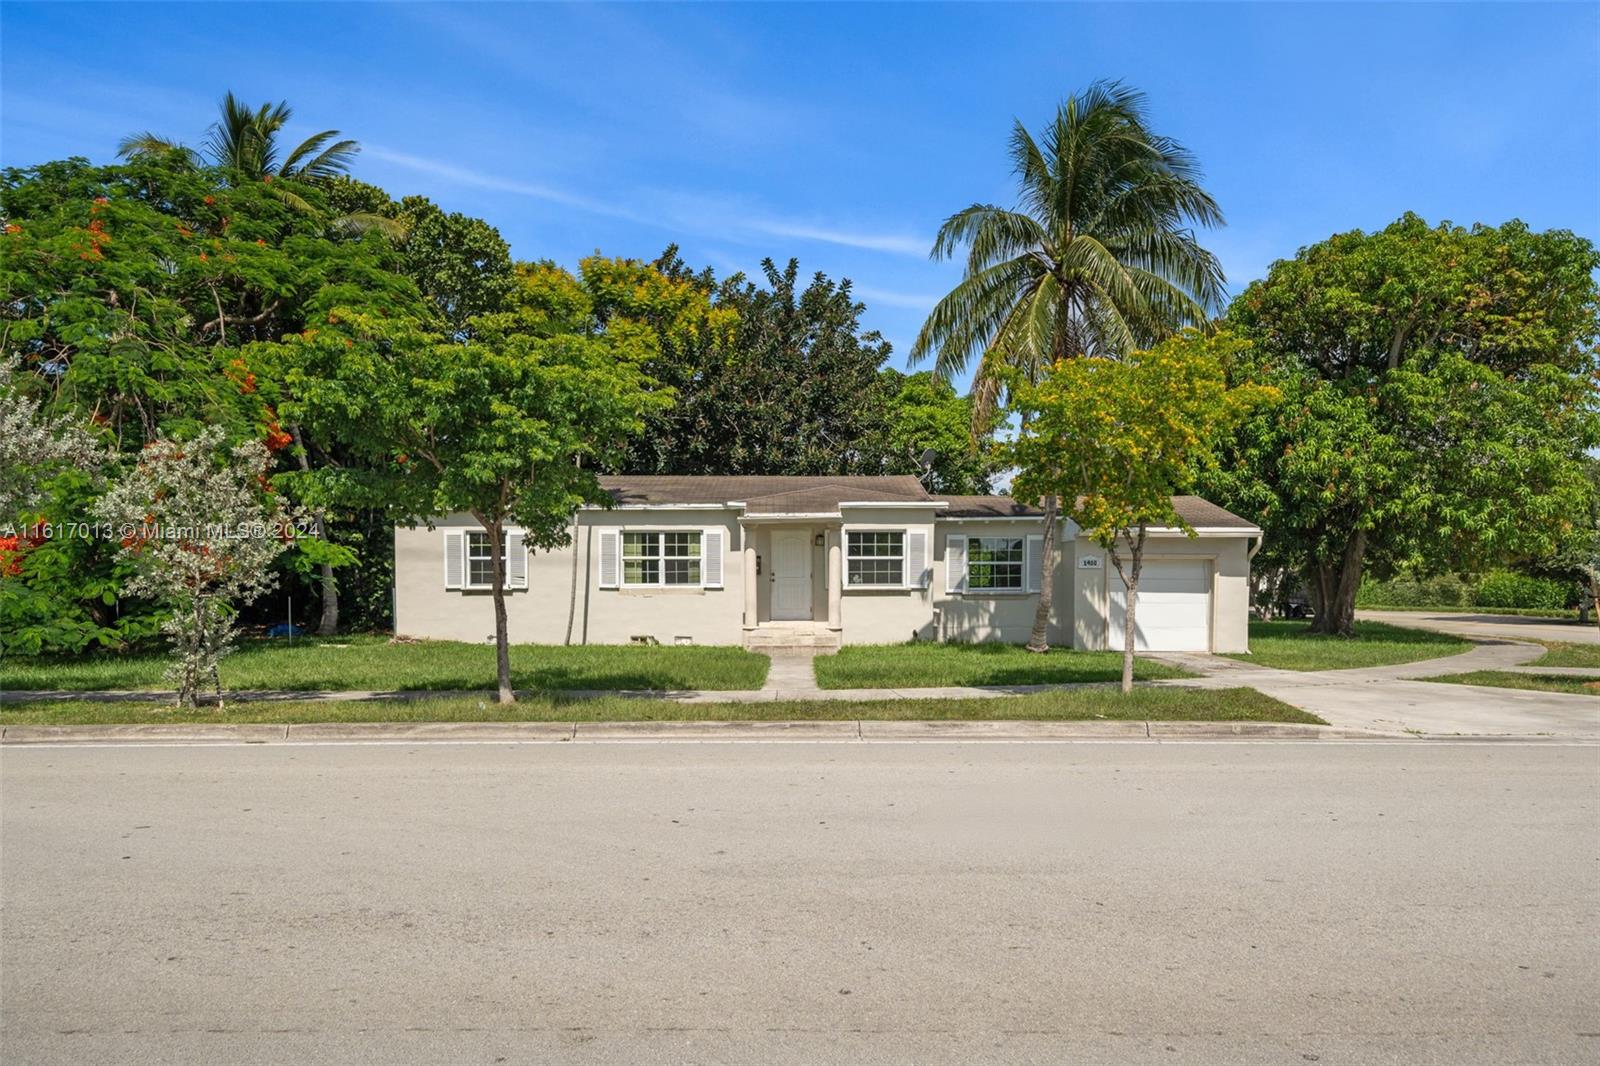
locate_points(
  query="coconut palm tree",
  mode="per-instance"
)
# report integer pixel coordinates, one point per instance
(245, 142)
(1098, 258)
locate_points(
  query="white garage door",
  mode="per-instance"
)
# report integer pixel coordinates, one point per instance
(1174, 612)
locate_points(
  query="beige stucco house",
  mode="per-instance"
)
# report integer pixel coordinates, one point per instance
(821, 561)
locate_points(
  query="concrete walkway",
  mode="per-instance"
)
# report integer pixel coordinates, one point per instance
(1395, 699)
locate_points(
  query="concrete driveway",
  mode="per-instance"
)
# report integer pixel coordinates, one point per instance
(1193, 903)
(1489, 626)
(1395, 699)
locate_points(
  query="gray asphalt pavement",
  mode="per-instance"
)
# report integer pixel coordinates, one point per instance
(1489, 626)
(1405, 902)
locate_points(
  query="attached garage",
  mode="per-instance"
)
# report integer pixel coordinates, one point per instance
(1174, 611)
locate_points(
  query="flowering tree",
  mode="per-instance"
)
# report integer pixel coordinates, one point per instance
(34, 447)
(200, 526)
(1122, 437)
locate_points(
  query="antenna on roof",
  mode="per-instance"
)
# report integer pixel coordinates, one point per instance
(926, 460)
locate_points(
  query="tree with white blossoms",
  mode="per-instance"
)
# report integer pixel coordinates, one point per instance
(33, 448)
(201, 526)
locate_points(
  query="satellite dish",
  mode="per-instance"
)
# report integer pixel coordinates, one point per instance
(927, 459)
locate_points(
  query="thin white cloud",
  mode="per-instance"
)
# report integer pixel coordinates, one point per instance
(916, 301)
(705, 218)
(479, 180)
(872, 242)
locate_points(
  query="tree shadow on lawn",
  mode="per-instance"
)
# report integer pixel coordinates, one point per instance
(987, 664)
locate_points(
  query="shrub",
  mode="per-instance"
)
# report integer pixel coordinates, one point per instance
(1502, 588)
(1408, 590)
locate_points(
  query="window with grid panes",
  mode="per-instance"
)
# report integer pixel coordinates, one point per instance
(875, 557)
(661, 558)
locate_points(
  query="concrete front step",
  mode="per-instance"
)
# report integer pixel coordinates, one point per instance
(796, 637)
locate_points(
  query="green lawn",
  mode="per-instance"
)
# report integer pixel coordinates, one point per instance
(1292, 646)
(927, 665)
(1162, 704)
(1563, 654)
(1582, 686)
(371, 662)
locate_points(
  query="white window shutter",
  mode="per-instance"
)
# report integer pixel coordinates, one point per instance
(1035, 557)
(455, 558)
(955, 564)
(711, 558)
(610, 558)
(916, 574)
(516, 562)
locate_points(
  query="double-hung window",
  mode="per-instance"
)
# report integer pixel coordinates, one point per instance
(995, 564)
(661, 558)
(875, 557)
(480, 562)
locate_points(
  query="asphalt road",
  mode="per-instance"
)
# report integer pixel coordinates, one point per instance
(1489, 626)
(1406, 902)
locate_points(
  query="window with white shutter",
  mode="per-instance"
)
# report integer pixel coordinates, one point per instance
(711, 558)
(610, 558)
(955, 564)
(455, 565)
(916, 558)
(1035, 563)
(516, 562)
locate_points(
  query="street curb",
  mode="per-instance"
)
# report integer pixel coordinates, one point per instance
(566, 732)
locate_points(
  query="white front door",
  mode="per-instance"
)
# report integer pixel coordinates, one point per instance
(1174, 611)
(791, 574)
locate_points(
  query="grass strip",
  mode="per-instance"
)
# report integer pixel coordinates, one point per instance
(930, 665)
(1292, 646)
(1160, 704)
(1579, 686)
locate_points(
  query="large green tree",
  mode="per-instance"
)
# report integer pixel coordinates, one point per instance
(509, 425)
(1098, 258)
(134, 298)
(779, 378)
(1440, 394)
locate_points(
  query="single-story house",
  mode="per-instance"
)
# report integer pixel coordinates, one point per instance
(822, 561)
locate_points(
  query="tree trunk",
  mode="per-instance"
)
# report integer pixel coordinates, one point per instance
(1334, 584)
(1130, 578)
(1039, 639)
(502, 645)
(328, 624)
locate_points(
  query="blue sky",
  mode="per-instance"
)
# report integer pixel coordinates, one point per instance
(844, 134)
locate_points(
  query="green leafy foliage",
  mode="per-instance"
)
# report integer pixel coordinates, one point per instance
(1119, 438)
(1439, 395)
(1503, 588)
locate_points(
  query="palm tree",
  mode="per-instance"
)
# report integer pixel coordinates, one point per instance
(245, 142)
(1098, 258)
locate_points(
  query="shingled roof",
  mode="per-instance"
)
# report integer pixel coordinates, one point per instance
(1198, 512)
(766, 495)
(823, 495)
